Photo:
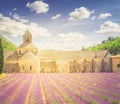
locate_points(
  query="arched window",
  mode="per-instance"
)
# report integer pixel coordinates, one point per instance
(30, 67)
(118, 65)
(27, 39)
(19, 51)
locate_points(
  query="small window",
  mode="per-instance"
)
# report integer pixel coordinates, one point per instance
(118, 65)
(30, 67)
(27, 39)
(23, 67)
(19, 51)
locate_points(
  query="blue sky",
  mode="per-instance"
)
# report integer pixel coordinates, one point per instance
(60, 24)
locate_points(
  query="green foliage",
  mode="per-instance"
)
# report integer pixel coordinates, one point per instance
(1, 56)
(118, 65)
(115, 102)
(106, 98)
(7, 45)
(111, 44)
(94, 102)
(4, 45)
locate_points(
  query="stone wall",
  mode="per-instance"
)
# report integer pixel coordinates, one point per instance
(116, 64)
(29, 66)
(13, 64)
(76, 65)
(61, 66)
(106, 65)
(97, 65)
(11, 67)
(48, 66)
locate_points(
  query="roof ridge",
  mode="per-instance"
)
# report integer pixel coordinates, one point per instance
(28, 55)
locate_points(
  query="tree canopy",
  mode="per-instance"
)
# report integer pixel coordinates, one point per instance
(111, 44)
(7, 45)
(1, 56)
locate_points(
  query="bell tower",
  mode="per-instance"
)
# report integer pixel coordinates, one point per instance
(27, 37)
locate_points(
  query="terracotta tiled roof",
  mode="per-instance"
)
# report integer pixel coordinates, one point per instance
(116, 56)
(27, 33)
(72, 54)
(27, 45)
(28, 55)
(13, 57)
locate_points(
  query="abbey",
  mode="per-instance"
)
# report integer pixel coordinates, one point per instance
(28, 59)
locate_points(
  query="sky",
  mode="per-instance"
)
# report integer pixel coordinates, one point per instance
(60, 24)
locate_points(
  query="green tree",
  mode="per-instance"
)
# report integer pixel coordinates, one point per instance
(1, 56)
(112, 44)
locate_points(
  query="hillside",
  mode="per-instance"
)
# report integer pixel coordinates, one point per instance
(7, 45)
(111, 44)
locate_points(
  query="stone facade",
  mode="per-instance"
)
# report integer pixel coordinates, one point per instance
(28, 59)
(116, 63)
(25, 58)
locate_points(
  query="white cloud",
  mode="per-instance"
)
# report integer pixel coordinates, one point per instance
(15, 28)
(14, 9)
(71, 37)
(10, 14)
(109, 27)
(19, 18)
(1, 15)
(104, 15)
(93, 17)
(38, 6)
(80, 14)
(56, 16)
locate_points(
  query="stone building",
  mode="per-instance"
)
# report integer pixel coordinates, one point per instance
(28, 59)
(116, 63)
(24, 58)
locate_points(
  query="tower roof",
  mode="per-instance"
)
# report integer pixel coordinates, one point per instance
(27, 33)
(27, 45)
(27, 41)
(116, 56)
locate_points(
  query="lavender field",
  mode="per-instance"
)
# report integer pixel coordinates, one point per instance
(88, 88)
